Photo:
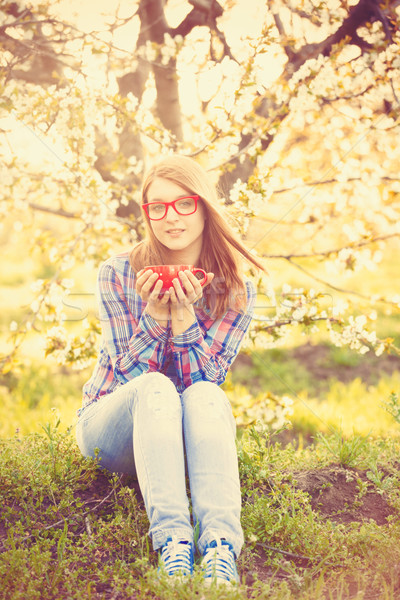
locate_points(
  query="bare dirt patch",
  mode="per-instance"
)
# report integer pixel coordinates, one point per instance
(344, 495)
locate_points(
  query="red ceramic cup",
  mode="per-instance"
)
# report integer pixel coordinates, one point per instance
(169, 272)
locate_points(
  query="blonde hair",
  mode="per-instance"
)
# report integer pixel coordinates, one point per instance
(221, 251)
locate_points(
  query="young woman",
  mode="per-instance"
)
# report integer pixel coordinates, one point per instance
(153, 403)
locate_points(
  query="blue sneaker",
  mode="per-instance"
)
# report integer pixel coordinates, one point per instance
(176, 558)
(218, 563)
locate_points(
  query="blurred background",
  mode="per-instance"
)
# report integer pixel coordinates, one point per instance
(293, 108)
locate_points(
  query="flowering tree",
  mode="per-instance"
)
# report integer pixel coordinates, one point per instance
(297, 121)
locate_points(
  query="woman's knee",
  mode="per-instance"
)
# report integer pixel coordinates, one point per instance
(207, 397)
(205, 404)
(158, 382)
(159, 393)
(205, 390)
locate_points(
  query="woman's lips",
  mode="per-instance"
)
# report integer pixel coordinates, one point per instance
(175, 232)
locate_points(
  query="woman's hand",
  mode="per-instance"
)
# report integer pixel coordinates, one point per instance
(158, 305)
(186, 291)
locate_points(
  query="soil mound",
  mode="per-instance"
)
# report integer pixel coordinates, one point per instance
(344, 494)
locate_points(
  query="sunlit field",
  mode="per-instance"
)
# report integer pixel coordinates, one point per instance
(292, 107)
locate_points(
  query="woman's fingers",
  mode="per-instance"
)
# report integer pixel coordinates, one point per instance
(145, 282)
(149, 286)
(164, 298)
(178, 290)
(144, 274)
(153, 287)
(187, 288)
(172, 295)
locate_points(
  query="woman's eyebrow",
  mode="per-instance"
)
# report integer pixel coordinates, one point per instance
(177, 198)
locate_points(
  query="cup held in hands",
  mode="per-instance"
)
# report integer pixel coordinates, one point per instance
(169, 272)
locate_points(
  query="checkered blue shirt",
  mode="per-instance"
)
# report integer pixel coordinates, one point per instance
(134, 343)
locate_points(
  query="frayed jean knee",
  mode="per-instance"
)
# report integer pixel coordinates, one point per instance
(106, 425)
(160, 396)
(208, 402)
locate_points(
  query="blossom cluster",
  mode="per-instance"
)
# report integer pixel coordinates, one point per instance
(76, 351)
(350, 261)
(270, 409)
(355, 335)
(275, 317)
(161, 53)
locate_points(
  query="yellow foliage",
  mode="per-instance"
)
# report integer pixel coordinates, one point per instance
(16, 418)
(352, 407)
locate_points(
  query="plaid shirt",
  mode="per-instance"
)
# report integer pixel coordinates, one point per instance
(134, 343)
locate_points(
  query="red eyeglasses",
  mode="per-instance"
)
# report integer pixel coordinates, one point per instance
(187, 205)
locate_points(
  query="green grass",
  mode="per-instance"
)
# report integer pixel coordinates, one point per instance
(68, 530)
(273, 370)
(354, 407)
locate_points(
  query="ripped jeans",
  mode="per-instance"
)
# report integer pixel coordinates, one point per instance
(146, 428)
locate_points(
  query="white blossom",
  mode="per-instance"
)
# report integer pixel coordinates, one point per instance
(13, 326)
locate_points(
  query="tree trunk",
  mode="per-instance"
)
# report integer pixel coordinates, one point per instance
(166, 79)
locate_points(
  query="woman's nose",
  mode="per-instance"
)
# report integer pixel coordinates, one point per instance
(171, 215)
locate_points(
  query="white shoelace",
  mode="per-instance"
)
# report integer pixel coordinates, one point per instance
(219, 562)
(176, 557)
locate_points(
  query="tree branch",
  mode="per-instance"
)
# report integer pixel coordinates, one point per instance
(226, 49)
(281, 30)
(45, 65)
(195, 18)
(328, 181)
(334, 251)
(366, 11)
(204, 13)
(60, 212)
(168, 104)
(339, 289)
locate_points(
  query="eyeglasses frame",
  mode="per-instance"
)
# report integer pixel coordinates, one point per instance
(194, 197)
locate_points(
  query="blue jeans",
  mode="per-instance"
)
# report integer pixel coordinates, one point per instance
(145, 428)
